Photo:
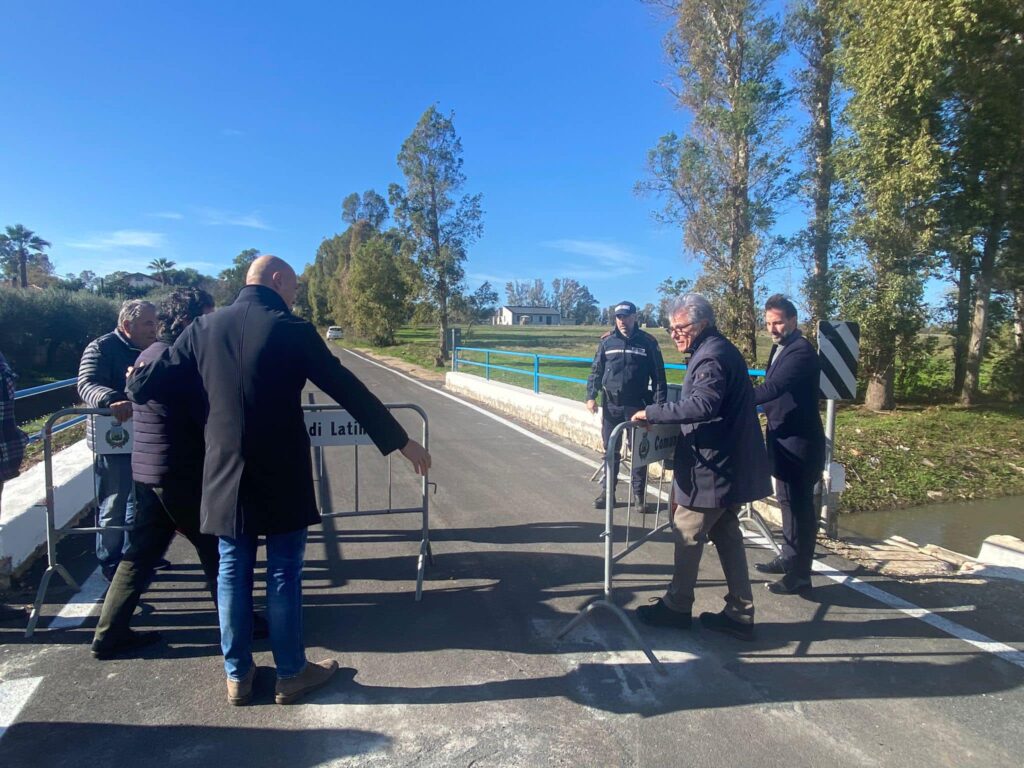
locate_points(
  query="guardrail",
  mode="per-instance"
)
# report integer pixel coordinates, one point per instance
(45, 389)
(488, 366)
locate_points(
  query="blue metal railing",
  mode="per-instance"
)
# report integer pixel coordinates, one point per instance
(488, 366)
(43, 389)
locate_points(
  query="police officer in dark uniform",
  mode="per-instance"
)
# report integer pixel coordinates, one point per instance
(630, 372)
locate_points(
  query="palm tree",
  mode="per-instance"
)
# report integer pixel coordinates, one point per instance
(161, 267)
(17, 245)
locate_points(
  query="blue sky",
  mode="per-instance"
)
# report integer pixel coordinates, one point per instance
(192, 131)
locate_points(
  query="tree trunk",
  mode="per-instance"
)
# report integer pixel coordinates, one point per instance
(1018, 321)
(23, 267)
(962, 331)
(880, 395)
(820, 98)
(979, 322)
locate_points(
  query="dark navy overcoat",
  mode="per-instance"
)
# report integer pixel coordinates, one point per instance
(720, 458)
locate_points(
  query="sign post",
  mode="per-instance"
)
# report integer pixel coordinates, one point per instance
(838, 351)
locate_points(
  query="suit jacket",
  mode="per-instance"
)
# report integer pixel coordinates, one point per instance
(720, 457)
(789, 396)
(253, 359)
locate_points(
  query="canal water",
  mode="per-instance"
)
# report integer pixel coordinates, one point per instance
(961, 526)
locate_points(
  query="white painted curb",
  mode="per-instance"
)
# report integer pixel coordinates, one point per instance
(23, 505)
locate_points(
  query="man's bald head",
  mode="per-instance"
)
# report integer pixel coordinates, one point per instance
(274, 273)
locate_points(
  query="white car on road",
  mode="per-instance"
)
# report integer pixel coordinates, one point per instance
(335, 332)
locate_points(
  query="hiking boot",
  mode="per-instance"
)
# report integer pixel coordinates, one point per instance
(240, 691)
(789, 584)
(313, 675)
(660, 615)
(109, 648)
(719, 622)
(602, 501)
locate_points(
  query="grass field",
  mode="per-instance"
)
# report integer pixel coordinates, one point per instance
(914, 455)
(418, 345)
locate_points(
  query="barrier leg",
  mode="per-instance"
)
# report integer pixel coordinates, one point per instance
(37, 606)
(750, 519)
(618, 612)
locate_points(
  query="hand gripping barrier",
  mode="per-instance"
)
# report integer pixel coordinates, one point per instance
(649, 444)
(331, 425)
(110, 437)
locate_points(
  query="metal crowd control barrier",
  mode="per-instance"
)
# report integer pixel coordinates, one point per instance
(109, 437)
(656, 443)
(330, 425)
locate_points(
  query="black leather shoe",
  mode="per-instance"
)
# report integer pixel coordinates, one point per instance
(789, 584)
(602, 501)
(127, 643)
(260, 627)
(776, 566)
(657, 614)
(719, 622)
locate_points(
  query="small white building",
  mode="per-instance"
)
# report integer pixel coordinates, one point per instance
(139, 280)
(510, 315)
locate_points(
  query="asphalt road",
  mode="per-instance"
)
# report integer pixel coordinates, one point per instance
(474, 675)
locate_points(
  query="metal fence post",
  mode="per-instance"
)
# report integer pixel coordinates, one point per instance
(828, 507)
(487, 364)
(536, 373)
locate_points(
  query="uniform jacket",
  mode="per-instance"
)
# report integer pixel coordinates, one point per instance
(168, 435)
(12, 439)
(101, 373)
(253, 359)
(623, 367)
(720, 458)
(789, 396)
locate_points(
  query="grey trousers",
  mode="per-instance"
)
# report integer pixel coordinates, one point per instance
(691, 529)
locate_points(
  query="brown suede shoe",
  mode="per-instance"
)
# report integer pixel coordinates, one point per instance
(240, 691)
(313, 675)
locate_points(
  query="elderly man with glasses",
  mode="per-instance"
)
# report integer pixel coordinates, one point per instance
(720, 464)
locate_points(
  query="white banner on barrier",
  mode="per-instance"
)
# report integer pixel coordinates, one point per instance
(110, 436)
(654, 443)
(335, 428)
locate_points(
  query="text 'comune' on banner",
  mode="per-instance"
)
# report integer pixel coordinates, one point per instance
(654, 442)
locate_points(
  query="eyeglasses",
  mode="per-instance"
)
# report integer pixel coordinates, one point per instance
(678, 329)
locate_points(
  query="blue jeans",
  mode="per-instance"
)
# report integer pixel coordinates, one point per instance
(285, 553)
(116, 507)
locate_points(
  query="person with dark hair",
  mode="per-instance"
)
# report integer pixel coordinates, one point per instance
(719, 465)
(167, 465)
(12, 439)
(796, 442)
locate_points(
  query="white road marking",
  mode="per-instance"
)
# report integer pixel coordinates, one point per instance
(14, 695)
(978, 640)
(83, 603)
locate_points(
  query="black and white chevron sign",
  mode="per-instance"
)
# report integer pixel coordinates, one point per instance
(838, 350)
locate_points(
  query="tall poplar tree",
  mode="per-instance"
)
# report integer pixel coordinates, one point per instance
(813, 26)
(891, 60)
(723, 180)
(441, 227)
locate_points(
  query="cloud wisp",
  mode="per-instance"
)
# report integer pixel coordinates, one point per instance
(120, 238)
(603, 259)
(172, 215)
(214, 217)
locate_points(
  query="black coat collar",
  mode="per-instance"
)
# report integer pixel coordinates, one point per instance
(260, 294)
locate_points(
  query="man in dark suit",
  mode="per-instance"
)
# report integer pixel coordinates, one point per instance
(796, 442)
(253, 359)
(719, 465)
